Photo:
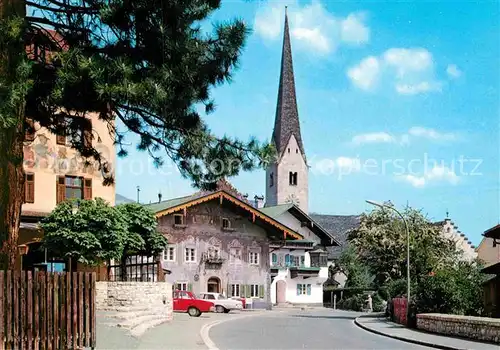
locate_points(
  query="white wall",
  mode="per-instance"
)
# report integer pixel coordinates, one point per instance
(316, 283)
(449, 230)
(291, 221)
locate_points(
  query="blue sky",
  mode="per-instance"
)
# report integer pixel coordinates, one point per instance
(397, 100)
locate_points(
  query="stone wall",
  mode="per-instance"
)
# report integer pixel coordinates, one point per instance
(477, 328)
(147, 295)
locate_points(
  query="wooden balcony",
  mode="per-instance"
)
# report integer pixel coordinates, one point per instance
(305, 272)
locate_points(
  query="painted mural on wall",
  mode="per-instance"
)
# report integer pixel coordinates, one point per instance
(43, 155)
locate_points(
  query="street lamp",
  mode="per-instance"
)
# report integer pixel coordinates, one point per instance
(389, 205)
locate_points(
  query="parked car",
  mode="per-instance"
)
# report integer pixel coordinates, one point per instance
(187, 302)
(221, 302)
(243, 300)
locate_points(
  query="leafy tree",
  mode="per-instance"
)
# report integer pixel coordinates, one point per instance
(381, 243)
(142, 238)
(146, 63)
(358, 274)
(455, 289)
(89, 231)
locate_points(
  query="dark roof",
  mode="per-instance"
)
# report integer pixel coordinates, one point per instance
(338, 226)
(493, 232)
(286, 123)
(276, 211)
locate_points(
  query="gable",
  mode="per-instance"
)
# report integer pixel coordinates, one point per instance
(272, 226)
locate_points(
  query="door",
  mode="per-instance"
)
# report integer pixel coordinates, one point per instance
(280, 292)
(213, 285)
(183, 301)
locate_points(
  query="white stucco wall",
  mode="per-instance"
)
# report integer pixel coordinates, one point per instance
(449, 230)
(291, 221)
(316, 283)
(291, 160)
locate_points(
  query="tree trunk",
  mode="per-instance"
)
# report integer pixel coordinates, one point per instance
(11, 141)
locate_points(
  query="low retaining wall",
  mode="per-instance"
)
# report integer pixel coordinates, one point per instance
(477, 328)
(148, 295)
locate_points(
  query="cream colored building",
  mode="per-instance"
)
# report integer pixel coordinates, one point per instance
(464, 245)
(488, 251)
(55, 172)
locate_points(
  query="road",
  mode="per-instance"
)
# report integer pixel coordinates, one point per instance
(300, 329)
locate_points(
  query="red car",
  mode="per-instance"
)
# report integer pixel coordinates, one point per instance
(187, 302)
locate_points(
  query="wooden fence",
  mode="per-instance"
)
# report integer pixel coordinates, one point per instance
(47, 310)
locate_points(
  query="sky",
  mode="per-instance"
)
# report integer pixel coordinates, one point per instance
(397, 100)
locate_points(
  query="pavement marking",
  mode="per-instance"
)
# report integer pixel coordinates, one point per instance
(205, 329)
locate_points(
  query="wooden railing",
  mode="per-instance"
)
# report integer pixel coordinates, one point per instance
(47, 310)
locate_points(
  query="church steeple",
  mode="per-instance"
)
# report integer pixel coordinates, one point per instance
(286, 123)
(287, 176)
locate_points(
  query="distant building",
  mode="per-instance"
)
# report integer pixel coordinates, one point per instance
(450, 230)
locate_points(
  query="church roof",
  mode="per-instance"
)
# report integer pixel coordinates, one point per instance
(286, 123)
(338, 226)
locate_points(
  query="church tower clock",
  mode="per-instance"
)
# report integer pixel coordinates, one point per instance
(287, 175)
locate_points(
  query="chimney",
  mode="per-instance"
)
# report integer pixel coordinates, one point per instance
(258, 201)
(159, 197)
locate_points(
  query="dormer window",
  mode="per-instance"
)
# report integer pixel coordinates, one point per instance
(292, 178)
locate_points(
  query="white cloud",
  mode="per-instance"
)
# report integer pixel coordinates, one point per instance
(438, 173)
(409, 71)
(353, 29)
(453, 71)
(415, 181)
(311, 26)
(375, 137)
(365, 75)
(431, 134)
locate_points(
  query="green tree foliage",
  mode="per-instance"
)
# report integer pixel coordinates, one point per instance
(455, 289)
(381, 243)
(89, 231)
(358, 274)
(146, 64)
(92, 232)
(142, 237)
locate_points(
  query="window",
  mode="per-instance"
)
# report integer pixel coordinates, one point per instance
(235, 256)
(169, 253)
(296, 150)
(73, 133)
(254, 290)
(303, 289)
(292, 178)
(235, 290)
(208, 296)
(274, 259)
(73, 187)
(213, 253)
(181, 286)
(178, 219)
(288, 150)
(253, 258)
(226, 223)
(271, 180)
(190, 255)
(29, 188)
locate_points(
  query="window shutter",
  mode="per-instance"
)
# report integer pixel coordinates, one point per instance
(29, 188)
(261, 291)
(287, 260)
(87, 189)
(248, 289)
(190, 287)
(60, 189)
(61, 135)
(308, 289)
(298, 289)
(30, 130)
(87, 136)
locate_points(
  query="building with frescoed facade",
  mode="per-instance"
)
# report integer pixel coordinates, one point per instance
(219, 242)
(55, 172)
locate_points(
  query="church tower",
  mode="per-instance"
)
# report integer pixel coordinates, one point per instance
(287, 177)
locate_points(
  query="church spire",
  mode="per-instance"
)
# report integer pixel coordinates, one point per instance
(287, 116)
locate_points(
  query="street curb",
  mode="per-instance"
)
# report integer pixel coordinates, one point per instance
(413, 341)
(205, 329)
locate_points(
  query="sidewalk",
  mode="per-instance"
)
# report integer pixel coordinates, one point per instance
(381, 326)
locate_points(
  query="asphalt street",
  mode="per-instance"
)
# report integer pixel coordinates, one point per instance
(301, 329)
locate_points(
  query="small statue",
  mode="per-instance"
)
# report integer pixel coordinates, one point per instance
(370, 305)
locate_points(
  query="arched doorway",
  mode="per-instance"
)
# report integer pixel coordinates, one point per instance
(213, 285)
(280, 292)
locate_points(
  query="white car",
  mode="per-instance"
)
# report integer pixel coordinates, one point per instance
(222, 303)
